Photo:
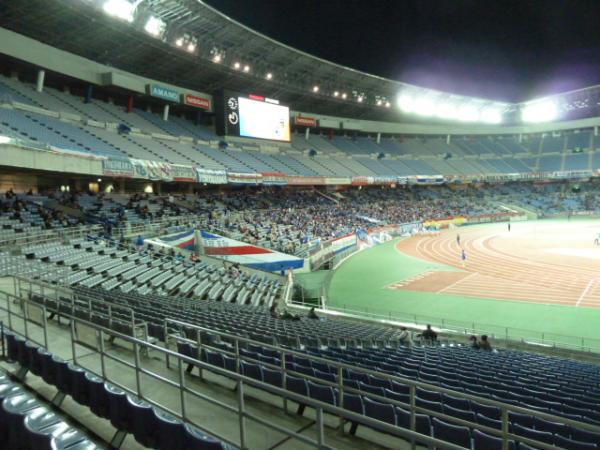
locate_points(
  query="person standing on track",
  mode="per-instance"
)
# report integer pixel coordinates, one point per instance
(458, 239)
(463, 257)
(509, 227)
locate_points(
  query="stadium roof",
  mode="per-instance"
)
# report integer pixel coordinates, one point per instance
(202, 49)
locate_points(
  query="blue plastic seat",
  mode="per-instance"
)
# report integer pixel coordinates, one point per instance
(459, 413)
(571, 444)
(483, 441)
(14, 409)
(325, 394)
(197, 440)
(251, 370)
(454, 434)
(422, 421)
(170, 431)
(272, 377)
(431, 406)
(379, 411)
(578, 434)
(455, 402)
(542, 436)
(120, 414)
(144, 426)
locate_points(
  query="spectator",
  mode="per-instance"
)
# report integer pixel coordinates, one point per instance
(139, 242)
(484, 344)
(312, 314)
(405, 337)
(429, 335)
(273, 311)
(474, 343)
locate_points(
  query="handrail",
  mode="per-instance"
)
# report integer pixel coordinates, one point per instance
(413, 385)
(525, 336)
(241, 381)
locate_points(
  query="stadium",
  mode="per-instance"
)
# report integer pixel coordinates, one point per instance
(211, 239)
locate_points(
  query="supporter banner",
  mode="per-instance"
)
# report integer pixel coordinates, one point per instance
(306, 180)
(362, 181)
(274, 178)
(209, 176)
(570, 174)
(385, 180)
(305, 121)
(338, 180)
(402, 180)
(184, 240)
(244, 178)
(198, 102)
(431, 179)
(499, 217)
(117, 168)
(445, 223)
(330, 248)
(152, 170)
(246, 254)
(156, 90)
(183, 173)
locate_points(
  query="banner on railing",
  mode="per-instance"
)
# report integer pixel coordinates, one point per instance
(183, 173)
(305, 121)
(152, 170)
(428, 179)
(249, 255)
(337, 181)
(362, 181)
(331, 248)
(117, 168)
(385, 180)
(274, 178)
(306, 180)
(244, 178)
(209, 176)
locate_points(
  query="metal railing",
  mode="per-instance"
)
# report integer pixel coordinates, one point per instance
(26, 306)
(43, 236)
(22, 310)
(468, 328)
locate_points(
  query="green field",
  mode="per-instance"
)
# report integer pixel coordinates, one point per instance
(359, 284)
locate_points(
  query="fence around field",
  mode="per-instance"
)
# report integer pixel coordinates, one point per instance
(30, 318)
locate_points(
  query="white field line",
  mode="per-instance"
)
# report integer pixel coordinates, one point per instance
(456, 282)
(585, 291)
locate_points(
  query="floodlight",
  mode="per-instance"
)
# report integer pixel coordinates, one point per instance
(336, 93)
(154, 26)
(344, 95)
(406, 103)
(379, 102)
(491, 115)
(179, 42)
(467, 113)
(236, 65)
(217, 58)
(360, 99)
(269, 76)
(5, 139)
(388, 104)
(121, 9)
(542, 111)
(191, 47)
(315, 89)
(246, 68)
(424, 106)
(446, 110)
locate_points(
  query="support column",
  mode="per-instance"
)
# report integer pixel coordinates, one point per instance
(89, 90)
(378, 138)
(520, 138)
(130, 104)
(41, 76)
(121, 185)
(166, 113)
(307, 133)
(595, 131)
(448, 139)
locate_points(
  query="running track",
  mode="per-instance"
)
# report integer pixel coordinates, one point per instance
(497, 274)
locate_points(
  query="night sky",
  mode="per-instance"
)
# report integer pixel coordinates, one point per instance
(510, 50)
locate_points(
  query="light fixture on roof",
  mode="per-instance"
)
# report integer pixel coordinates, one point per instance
(491, 114)
(237, 65)
(539, 111)
(379, 102)
(315, 89)
(344, 96)
(121, 9)
(360, 99)
(336, 93)
(388, 104)
(246, 68)
(269, 76)
(4, 139)
(406, 103)
(154, 26)
(191, 47)
(424, 106)
(179, 42)
(467, 113)
(217, 58)
(446, 110)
